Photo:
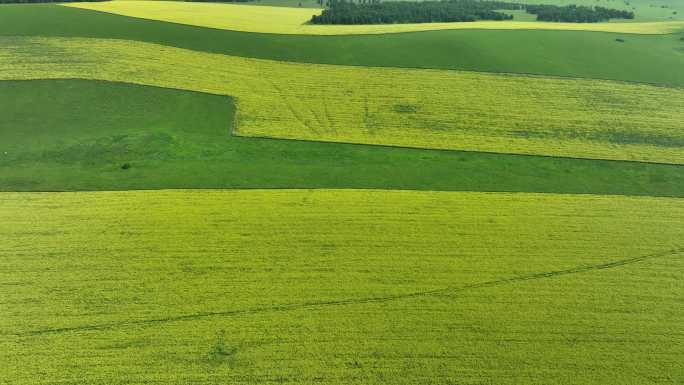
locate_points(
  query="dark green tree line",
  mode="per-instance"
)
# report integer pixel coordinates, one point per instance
(577, 14)
(378, 12)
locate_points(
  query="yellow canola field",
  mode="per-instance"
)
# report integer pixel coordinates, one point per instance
(458, 238)
(284, 20)
(108, 280)
(402, 107)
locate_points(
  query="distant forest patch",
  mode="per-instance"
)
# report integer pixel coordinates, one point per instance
(577, 14)
(377, 12)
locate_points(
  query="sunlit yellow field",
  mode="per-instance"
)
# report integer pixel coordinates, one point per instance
(338, 287)
(402, 107)
(171, 214)
(283, 20)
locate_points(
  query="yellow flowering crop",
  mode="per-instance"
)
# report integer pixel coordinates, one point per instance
(403, 107)
(236, 286)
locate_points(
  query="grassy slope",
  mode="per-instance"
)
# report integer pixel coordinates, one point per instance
(278, 287)
(86, 130)
(654, 59)
(489, 112)
(282, 20)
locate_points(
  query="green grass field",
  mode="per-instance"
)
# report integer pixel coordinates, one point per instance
(642, 58)
(435, 109)
(253, 287)
(288, 20)
(88, 130)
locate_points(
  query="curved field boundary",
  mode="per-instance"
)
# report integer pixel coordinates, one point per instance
(283, 20)
(401, 107)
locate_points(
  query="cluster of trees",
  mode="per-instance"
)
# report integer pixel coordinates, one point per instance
(376, 12)
(431, 11)
(576, 14)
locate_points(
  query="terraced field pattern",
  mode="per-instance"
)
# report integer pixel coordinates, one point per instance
(213, 193)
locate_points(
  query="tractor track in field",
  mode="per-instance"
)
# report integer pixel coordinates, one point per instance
(318, 304)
